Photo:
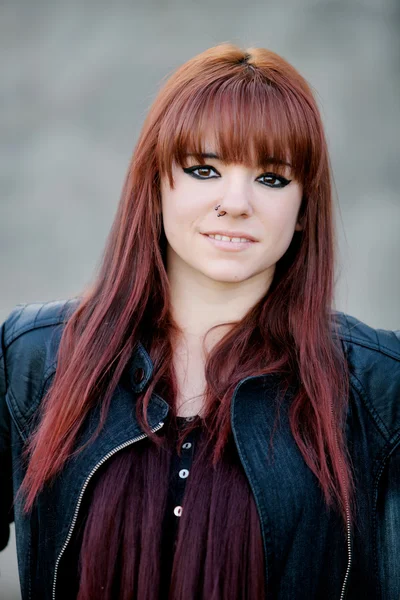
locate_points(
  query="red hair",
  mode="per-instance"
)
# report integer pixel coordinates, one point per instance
(219, 550)
(258, 106)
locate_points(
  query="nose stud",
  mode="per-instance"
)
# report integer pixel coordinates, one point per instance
(220, 214)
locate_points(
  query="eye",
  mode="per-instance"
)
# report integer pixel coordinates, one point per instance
(274, 180)
(202, 172)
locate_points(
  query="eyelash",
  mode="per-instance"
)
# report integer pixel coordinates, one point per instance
(283, 181)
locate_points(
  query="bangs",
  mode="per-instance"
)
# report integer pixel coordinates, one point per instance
(242, 120)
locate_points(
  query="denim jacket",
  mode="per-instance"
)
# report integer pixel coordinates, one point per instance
(308, 552)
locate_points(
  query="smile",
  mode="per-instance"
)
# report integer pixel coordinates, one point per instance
(225, 238)
(230, 244)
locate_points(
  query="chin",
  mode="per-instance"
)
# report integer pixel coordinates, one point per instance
(224, 276)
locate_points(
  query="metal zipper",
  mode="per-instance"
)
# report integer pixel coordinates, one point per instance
(92, 472)
(348, 528)
(348, 551)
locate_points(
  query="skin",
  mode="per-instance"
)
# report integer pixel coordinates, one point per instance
(209, 285)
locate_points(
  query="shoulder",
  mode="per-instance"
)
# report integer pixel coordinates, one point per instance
(373, 357)
(25, 318)
(357, 335)
(32, 329)
(30, 339)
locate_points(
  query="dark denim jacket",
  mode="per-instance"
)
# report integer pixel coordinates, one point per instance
(308, 555)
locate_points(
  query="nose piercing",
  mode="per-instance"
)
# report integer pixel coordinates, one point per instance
(220, 214)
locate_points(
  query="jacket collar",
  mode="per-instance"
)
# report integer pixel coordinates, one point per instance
(140, 369)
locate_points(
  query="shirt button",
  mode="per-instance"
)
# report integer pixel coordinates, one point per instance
(191, 418)
(183, 473)
(186, 445)
(178, 511)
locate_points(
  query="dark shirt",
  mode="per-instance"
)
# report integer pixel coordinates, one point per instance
(179, 472)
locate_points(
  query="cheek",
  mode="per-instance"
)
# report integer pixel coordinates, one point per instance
(174, 209)
(282, 216)
(286, 221)
(177, 216)
(280, 220)
(181, 207)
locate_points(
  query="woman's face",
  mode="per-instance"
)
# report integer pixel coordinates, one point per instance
(256, 204)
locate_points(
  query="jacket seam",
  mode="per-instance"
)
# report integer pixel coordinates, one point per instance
(16, 332)
(39, 311)
(377, 420)
(21, 418)
(371, 346)
(14, 411)
(26, 329)
(265, 525)
(18, 316)
(30, 565)
(377, 347)
(385, 455)
(39, 396)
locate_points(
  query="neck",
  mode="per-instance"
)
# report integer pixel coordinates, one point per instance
(199, 303)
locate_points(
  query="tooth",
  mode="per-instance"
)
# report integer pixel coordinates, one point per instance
(225, 238)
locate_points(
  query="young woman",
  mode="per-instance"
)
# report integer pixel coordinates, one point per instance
(200, 423)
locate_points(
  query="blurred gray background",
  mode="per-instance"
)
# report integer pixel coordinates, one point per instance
(77, 79)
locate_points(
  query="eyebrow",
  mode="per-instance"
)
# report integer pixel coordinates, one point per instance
(270, 160)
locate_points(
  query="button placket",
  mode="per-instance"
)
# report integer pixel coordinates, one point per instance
(183, 466)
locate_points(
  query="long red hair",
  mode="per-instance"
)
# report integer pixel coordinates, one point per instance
(254, 101)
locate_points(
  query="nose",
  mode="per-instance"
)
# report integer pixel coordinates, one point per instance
(236, 197)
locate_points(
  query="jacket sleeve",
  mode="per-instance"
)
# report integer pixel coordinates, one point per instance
(388, 508)
(388, 527)
(6, 495)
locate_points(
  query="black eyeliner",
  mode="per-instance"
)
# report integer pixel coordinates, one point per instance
(284, 182)
(280, 178)
(195, 167)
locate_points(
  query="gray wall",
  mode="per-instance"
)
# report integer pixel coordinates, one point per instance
(77, 78)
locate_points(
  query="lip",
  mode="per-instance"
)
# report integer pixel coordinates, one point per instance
(229, 246)
(231, 234)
